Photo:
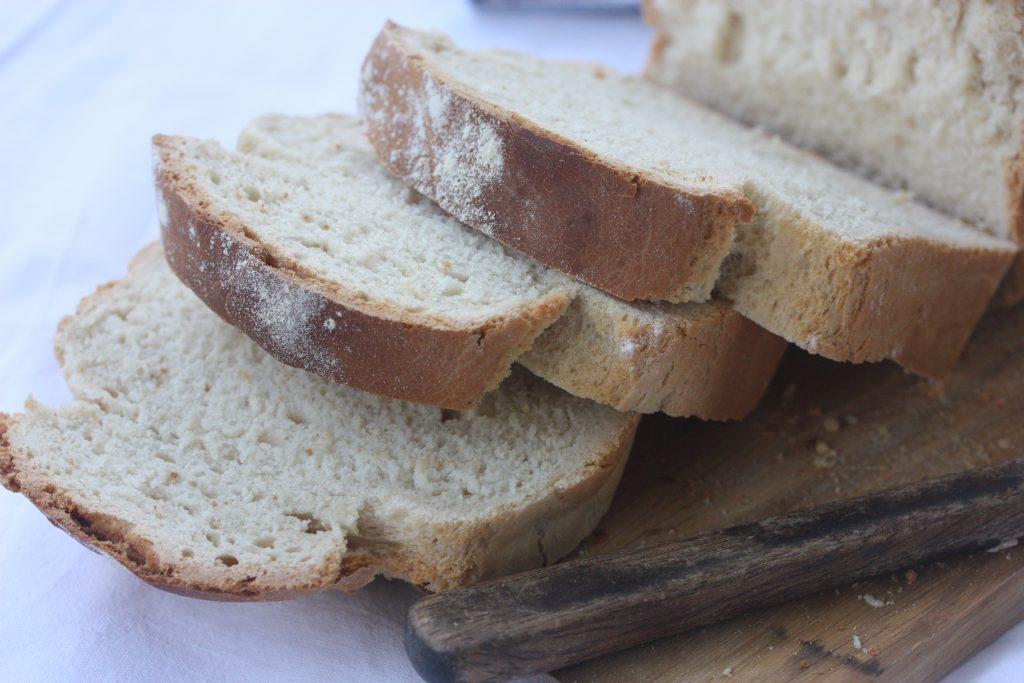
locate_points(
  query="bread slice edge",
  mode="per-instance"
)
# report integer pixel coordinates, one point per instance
(701, 360)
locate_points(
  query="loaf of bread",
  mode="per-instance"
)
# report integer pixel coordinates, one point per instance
(926, 96)
(303, 241)
(205, 466)
(534, 153)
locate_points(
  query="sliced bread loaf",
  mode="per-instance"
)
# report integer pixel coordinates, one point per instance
(203, 465)
(307, 244)
(831, 262)
(922, 95)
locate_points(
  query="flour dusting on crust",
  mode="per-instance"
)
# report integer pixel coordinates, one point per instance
(451, 149)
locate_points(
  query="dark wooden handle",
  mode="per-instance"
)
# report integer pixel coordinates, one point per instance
(549, 618)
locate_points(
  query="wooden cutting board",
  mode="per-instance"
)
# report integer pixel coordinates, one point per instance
(825, 432)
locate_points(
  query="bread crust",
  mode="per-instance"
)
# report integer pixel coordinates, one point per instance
(325, 329)
(677, 366)
(1011, 292)
(636, 236)
(831, 289)
(544, 531)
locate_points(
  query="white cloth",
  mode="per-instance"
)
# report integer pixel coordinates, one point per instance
(82, 87)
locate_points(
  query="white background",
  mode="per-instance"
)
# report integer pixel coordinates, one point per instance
(82, 88)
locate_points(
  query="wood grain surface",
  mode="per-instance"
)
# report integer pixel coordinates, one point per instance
(827, 432)
(557, 616)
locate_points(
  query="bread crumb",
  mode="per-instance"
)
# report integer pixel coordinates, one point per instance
(831, 424)
(873, 601)
(857, 645)
(826, 458)
(826, 462)
(911, 577)
(804, 664)
(1005, 545)
(901, 197)
(935, 389)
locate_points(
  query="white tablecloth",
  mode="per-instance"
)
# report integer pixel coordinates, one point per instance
(82, 87)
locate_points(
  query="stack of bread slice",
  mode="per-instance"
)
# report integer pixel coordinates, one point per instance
(418, 344)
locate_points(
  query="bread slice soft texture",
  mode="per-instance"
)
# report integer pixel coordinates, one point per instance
(337, 267)
(205, 466)
(922, 95)
(831, 262)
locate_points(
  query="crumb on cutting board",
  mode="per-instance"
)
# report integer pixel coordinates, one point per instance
(1005, 545)
(873, 601)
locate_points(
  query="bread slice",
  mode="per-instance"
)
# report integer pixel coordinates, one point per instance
(333, 267)
(203, 465)
(337, 267)
(924, 96)
(628, 230)
(831, 262)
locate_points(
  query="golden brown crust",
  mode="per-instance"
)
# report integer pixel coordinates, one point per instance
(543, 532)
(710, 363)
(1012, 290)
(1015, 192)
(484, 550)
(328, 331)
(619, 230)
(833, 291)
(728, 386)
(7, 475)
